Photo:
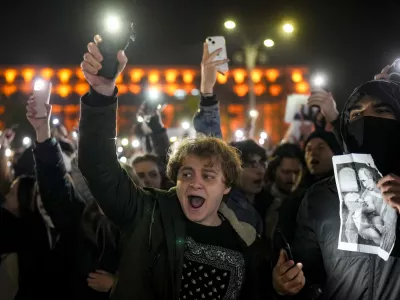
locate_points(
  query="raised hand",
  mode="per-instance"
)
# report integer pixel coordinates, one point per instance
(209, 70)
(324, 100)
(91, 65)
(41, 125)
(288, 277)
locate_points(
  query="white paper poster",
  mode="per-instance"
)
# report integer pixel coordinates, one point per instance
(367, 223)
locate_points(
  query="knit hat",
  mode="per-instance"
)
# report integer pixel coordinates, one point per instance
(329, 138)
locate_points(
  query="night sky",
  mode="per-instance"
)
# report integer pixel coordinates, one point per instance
(349, 42)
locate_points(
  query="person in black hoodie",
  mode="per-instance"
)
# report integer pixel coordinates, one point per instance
(91, 238)
(370, 123)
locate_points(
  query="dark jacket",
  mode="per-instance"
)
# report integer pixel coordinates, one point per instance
(342, 274)
(152, 220)
(66, 209)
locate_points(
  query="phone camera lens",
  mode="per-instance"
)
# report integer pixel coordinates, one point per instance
(210, 39)
(213, 42)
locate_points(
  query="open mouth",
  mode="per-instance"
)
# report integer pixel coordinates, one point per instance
(196, 201)
(314, 161)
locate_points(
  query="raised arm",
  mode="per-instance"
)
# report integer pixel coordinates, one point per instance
(56, 190)
(207, 119)
(120, 199)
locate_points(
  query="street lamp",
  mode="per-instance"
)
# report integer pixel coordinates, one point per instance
(230, 24)
(269, 43)
(251, 53)
(288, 28)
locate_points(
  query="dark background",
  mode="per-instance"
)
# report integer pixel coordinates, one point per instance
(349, 41)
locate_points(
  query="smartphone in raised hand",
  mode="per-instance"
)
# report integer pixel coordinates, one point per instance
(41, 92)
(214, 43)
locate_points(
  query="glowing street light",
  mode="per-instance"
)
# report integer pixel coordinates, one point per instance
(123, 159)
(56, 121)
(120, 149)
(288, 28)
(230, 24)
(269, 43)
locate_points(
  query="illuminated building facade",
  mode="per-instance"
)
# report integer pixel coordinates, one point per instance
(177, 86)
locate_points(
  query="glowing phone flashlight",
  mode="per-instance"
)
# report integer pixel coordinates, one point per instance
(115, 36)
(39, 85)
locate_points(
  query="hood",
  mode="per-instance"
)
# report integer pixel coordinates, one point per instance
(386, 91)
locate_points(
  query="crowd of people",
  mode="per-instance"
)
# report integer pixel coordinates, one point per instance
(205, 219)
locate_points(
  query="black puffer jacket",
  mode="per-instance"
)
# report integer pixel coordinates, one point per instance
(344, 275)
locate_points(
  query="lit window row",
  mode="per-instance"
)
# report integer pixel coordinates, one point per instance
(241, 90)
(153, 76)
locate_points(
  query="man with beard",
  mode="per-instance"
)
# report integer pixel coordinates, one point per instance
(370, 124)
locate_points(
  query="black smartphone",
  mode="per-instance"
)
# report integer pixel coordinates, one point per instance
(115, 36)
(281, 243)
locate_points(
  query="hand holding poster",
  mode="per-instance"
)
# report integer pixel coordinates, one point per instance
(367, 223)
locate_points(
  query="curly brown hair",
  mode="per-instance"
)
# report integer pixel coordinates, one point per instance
(206, 147)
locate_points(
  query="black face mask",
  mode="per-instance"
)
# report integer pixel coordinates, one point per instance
(379, 137)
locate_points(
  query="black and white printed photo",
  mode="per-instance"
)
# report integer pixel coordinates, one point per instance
(367, 222)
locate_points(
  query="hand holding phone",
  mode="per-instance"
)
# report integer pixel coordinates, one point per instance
(218, 42)
(41, 92)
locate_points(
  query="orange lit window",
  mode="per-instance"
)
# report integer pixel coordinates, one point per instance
(122, 89)
(297, 76)
(272, 75)
(154, 77)
(10, 75)
(63, 90)
(81, 88)
(239, 75)
(170, 89)
(9, 89)
(222, 78)
(136, 75)
(170, 75)
(188, 77)
(47, 73)
(256, 76)
(28, 74)
(259, 89)
(64, 75)
(275, 90)
(241, 89)
(302, 88)
(134, 88)
(79, 74)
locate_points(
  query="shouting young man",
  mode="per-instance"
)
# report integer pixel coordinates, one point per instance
(179, 244)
